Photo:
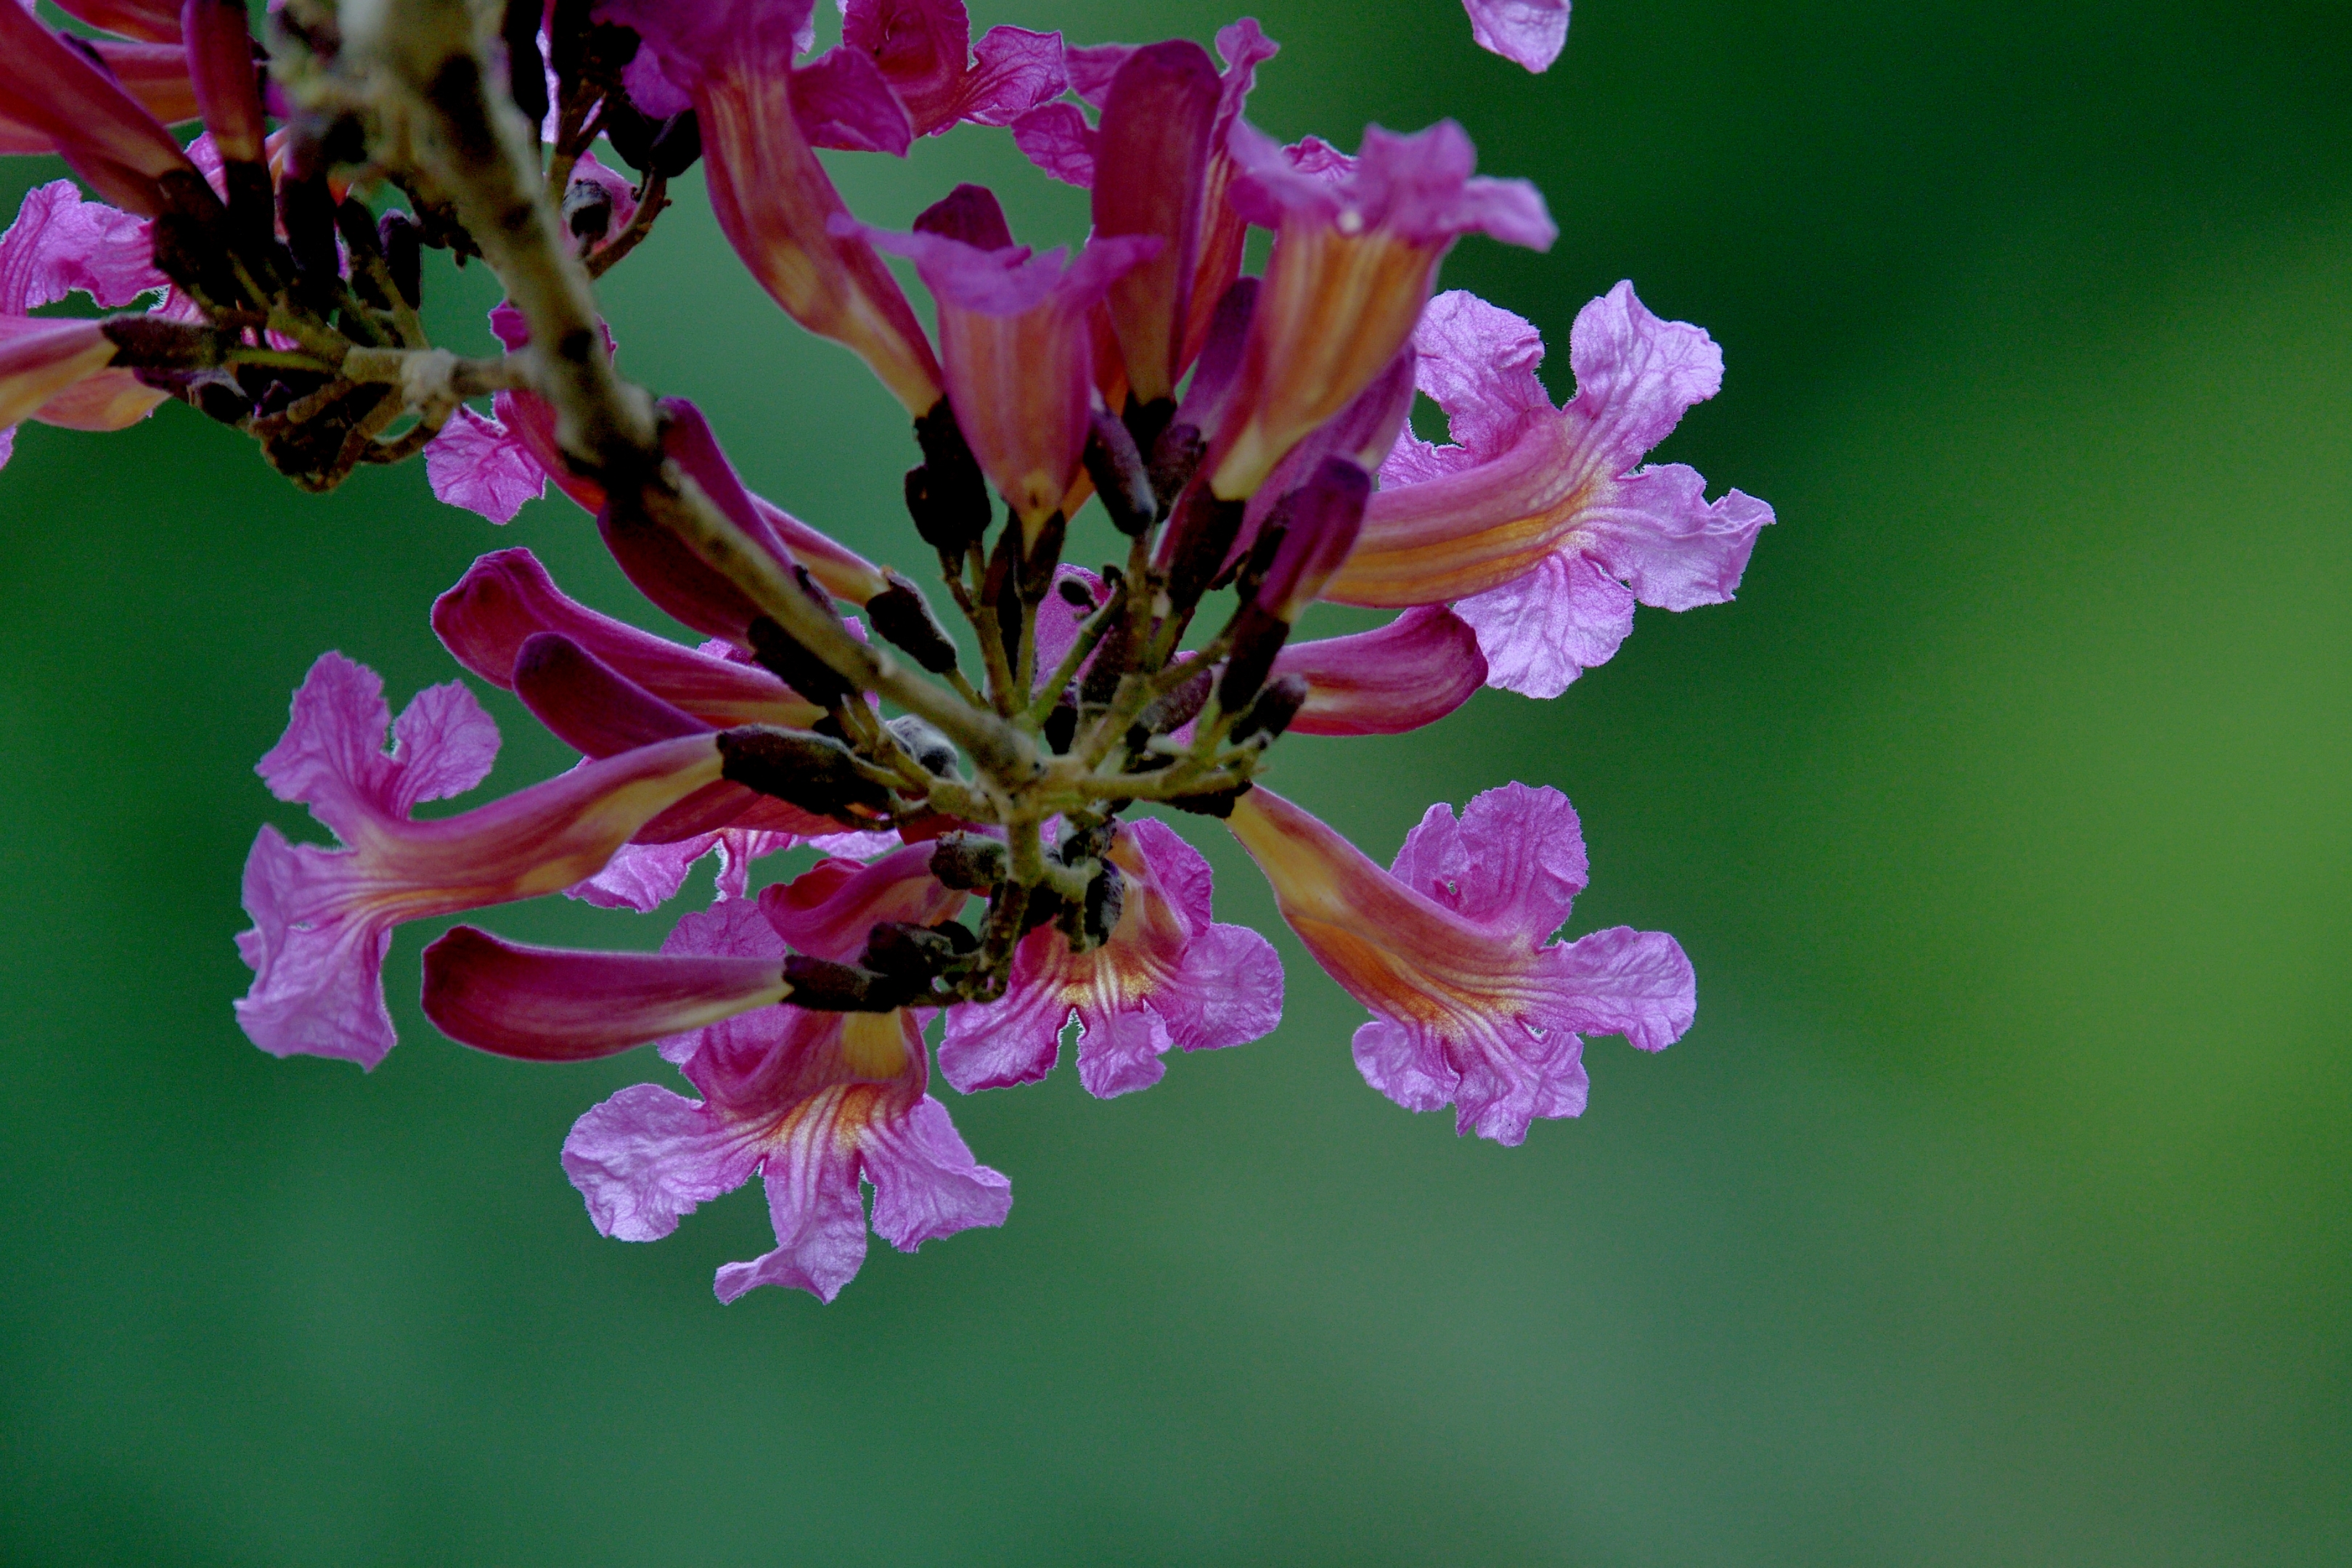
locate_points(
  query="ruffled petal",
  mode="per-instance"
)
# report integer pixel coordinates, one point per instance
(318, 985)
(1515, 860)
(1657, 530)
(811, 1175)
(926, 1182)
(1478, 362)
(1227, 992)
(646, 1157)
(1531, 33)
(1539, 632)
(1119, 1051)
(1014, 1038)
(478, 464)
(1636, 375)
(1637, 983)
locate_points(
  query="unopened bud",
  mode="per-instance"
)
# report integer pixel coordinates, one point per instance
(969, 862)
(811, 772)
(924, 744)
(402, 242)
(1088, 924)
(1275, 707)
(587, 211)
(791, 661)
(1120, 477)
(900, 616)
(822, 985)
(901, 951)
(677, 145)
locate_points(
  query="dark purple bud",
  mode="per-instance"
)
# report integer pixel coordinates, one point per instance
(1197, 544)
(1088, 924)
(969, 862)
(791, 661)
(808, 770)
(1120, 475)
(1275, 707)
(404, 255)
(677, 146)
(900, 616)
(526, 72)
(307, 207)
(822, 985)
(912, 955)
(925, 744)
(948, 495)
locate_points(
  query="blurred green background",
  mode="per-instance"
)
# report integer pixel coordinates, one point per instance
(1994, 1212)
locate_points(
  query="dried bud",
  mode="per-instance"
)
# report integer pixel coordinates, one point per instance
(1119, 476)
(800, 769)
(1218, 804)
(924, 744)
(790, 661)
(526, 72)
(949, 502)
(587, 211)
(402, 242)
(898, 949)
(676, 146)
(969, 862)
(1088, 924)
(822, 985)
(900, 616)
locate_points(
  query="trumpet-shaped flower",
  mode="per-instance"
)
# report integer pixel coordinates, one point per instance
(1537, 521)
(323, 918)
(811, 1102)
(774, 200)
(1168, 976)
(1356, 243)
(1473, 1005)
(1013, 339)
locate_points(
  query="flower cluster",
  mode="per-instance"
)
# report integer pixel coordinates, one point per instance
(973, 797)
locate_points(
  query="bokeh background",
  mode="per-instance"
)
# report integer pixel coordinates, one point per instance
(1994, 1212)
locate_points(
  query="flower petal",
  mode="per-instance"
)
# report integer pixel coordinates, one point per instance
(478, 464)
(1540, 631)
(541, 1003)
(1526, 32)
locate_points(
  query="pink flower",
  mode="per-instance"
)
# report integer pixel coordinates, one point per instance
(323, 918)
(1473, 1005)
(813, 1102)
(1156, 187)
(1528, 32)
(1356, 243)
(923, 49)
(1537, 522)
(1168, 976)
(774, 200)
(57, 371)
(1013, 339)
